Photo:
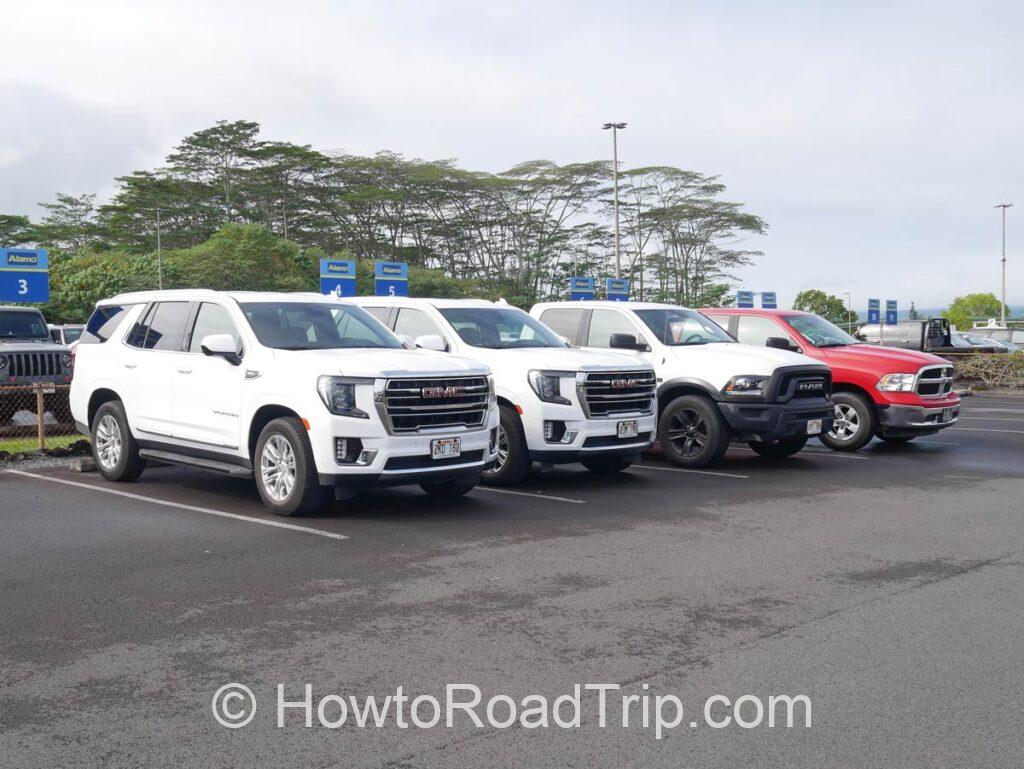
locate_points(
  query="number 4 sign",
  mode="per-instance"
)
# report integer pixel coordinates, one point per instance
(24, 275)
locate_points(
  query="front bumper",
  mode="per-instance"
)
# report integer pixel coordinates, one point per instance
(400, 459)
(774, 421)
(904, 421)
(590, 437)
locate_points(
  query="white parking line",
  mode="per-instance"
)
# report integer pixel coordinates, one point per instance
(944, 443)
(687, 470)
(812, 452)
(181, 506)
(988, 411)
(535, 495)
(987, 430)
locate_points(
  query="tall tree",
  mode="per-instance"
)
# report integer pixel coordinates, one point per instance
(826, 305)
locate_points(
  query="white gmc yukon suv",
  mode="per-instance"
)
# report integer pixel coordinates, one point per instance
(302, 391)
(711, 389)
(558, 404)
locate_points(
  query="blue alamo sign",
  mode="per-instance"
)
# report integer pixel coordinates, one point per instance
(24, 275)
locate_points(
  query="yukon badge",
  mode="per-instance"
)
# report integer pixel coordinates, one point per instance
(441, 392)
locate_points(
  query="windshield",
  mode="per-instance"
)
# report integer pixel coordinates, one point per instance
(819, 332)
(315, 326)
(22, 325)
(72, 335)
(499, 328)
(678, 327)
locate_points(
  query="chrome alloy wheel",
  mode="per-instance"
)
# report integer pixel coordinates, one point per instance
(277, 468)
(846, 424)
(108, 442)
(688, 432)
(503, 451)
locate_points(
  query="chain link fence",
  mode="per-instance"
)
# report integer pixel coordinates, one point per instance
(36, 418)
(985, 371)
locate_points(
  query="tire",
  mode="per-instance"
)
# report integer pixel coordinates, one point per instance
(113, 446)
(285, 471)
(779, 449)
(606, 464)
(514, 459)
(856, 423)
(448, 489)
(692, 431)
(897, 440)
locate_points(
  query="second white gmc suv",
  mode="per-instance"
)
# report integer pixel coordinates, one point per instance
(558, 404)
(301, 391)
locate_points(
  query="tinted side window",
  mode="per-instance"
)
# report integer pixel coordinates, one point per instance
(721, 320)
(380, 313)
(137, 336)
(604, 323)
(414, 323)
(564, 322)
(162, 327)
(102, 323)
(755, 330)
(211, 319)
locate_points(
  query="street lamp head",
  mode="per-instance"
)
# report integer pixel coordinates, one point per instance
(619, 126)
(1004, 205)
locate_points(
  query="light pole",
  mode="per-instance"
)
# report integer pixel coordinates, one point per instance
(849, 313)
(616, 127)
(159, 255)
(1002, 304)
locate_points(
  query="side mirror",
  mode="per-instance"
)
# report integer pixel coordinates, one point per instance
(780, 343)
(625, 342)
(222, 345)
(431, 342)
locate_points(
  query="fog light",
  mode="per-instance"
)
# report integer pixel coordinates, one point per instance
(347, 450)
(570, 436)
(554, 431)
(366, 457)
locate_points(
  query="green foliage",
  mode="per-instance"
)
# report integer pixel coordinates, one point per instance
(965, 309)
(518, 234)
(14, 230)
(830, 307)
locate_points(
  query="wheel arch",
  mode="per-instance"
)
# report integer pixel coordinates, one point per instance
(674, 388)
(849, 387)
(263, 416)
(99, 396)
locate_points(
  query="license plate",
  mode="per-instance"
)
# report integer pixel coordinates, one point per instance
(628, 429)
(49, 390)
(947, 414)
(814, 427)
(445, 448)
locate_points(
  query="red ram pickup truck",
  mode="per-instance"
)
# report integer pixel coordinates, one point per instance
(890, 393)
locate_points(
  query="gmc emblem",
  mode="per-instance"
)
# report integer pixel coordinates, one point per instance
(814, 385)
(440, 392)
(622, 384)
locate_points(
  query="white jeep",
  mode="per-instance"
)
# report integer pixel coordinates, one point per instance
(558, 404)
(302, 391)
(711, 389)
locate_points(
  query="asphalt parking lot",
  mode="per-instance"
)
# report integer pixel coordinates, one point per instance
(884, 585)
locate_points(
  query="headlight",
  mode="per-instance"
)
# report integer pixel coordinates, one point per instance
(3, 361)
(897, 383)
(548, 386)
(492, 397)
(746, 384)
(65, 360)
(339, 395)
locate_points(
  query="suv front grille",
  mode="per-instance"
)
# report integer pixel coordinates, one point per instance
(34, 365)
(605, 393)
(809, 383)
(935, 381)
(424, 404)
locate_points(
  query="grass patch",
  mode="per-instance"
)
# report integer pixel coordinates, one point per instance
(14, 445)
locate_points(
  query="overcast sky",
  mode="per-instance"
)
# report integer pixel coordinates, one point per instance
(875, 138)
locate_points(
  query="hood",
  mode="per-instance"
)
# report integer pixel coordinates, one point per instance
(8, 345)
(558, 359)
(362, 362)
(893, 359)
(741, 358)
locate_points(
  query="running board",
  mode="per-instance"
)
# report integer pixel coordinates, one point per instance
(226, 468)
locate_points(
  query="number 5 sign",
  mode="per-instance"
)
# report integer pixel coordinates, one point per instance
(24, 275)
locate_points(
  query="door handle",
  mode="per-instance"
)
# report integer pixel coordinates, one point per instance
(130, 364)
(184, 370)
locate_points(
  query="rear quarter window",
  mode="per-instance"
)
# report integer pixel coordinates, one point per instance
(103, 323)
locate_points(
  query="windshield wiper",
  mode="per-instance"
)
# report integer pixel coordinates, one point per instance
(26, 338)
(835, 344)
